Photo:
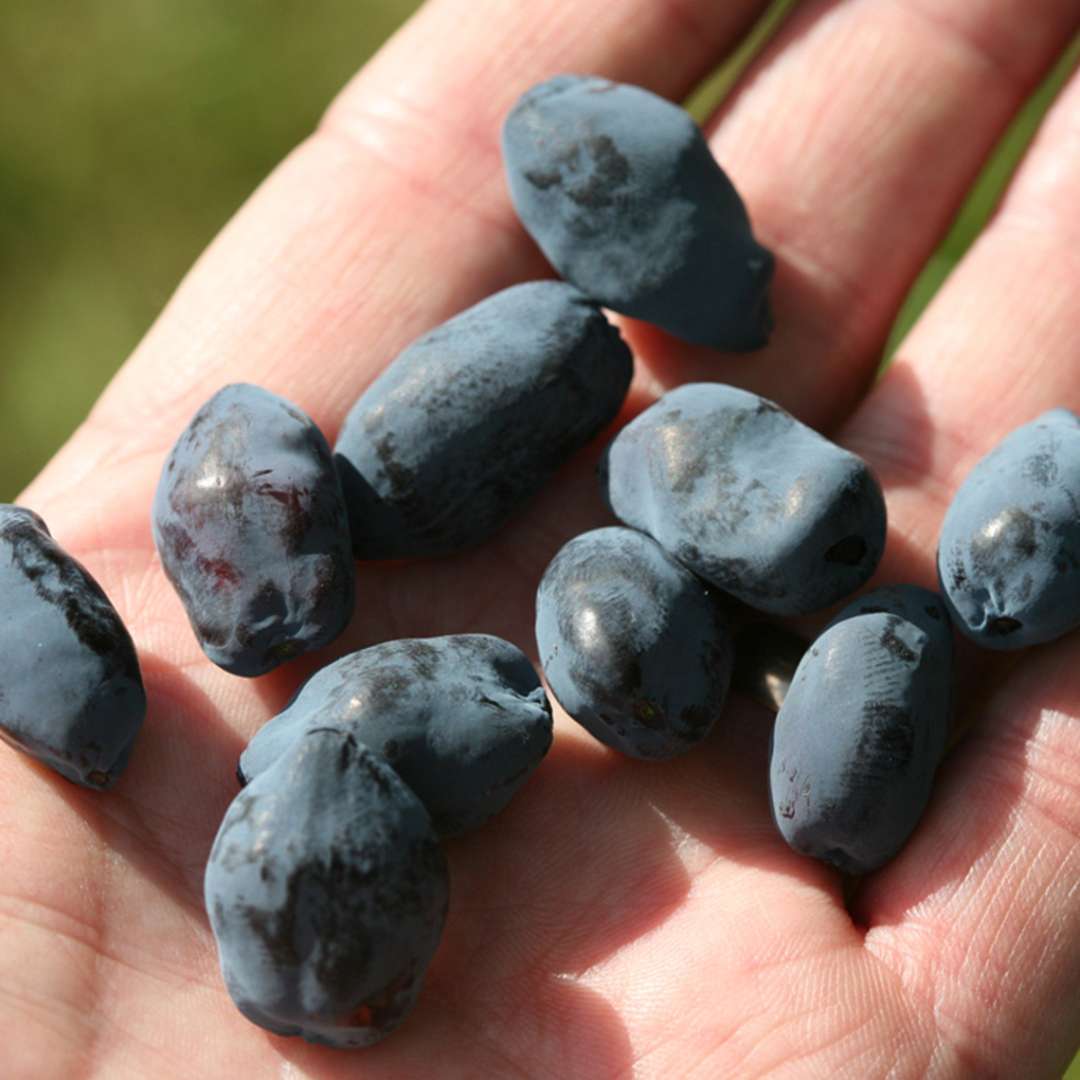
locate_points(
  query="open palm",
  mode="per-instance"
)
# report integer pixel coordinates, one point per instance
(620, 918)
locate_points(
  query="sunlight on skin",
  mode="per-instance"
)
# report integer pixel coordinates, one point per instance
(620, 917)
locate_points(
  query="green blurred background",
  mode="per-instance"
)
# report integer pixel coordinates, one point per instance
(131, 131)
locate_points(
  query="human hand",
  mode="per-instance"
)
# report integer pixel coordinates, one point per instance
(620, 917)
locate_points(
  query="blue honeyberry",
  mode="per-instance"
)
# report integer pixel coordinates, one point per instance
(859, 737)
(747, 497)
(1009, 551)
(72, 694)
(251, 528)
(633, 645)
(621, 193)
(462, 719)
(327, 890)
(470, 421)
(928, 611)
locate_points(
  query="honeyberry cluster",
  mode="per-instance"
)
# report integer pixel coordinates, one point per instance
(327, 885)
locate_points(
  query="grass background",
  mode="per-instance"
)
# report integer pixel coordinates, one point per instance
(131, 132)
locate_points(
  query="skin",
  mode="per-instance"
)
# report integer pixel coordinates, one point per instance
(675, 935)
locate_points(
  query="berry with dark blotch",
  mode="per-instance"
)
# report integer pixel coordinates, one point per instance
(327, 891)
(472, 419)
(620, 191)
(632, 644)
(251, 528)
(858, 739)
(462, 719)
(927, 610)
(1009, 552)
(748, 498)
(72, 695)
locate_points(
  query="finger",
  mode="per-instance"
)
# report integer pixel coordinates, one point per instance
(981, 910)
(996, 347)
(389, 219)
(854, 138)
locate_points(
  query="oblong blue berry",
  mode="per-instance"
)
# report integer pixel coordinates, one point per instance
(1009, 551)
(71, 694)
(632, 644)
(327, 891)
(748, 498)
(462, 719)
(250, 524)
(472, 419)
(620, 191)
(928, 611)
(858, 739)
